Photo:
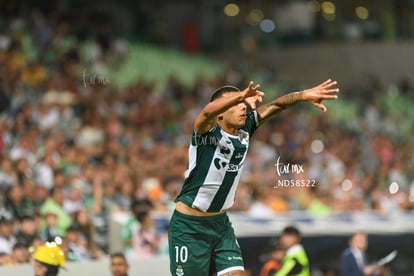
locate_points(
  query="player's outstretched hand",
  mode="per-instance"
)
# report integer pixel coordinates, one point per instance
(324, 91)
(253, 95)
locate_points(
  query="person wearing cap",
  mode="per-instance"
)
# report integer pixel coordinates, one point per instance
(295, 261)
(48, 259)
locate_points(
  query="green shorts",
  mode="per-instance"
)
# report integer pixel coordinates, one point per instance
(201, 246)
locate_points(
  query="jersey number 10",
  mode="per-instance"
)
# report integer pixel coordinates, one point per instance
(181, 254)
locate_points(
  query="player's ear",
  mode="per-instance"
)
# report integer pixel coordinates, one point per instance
(220, 117)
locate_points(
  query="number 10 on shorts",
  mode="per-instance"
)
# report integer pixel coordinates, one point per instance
(181, 254)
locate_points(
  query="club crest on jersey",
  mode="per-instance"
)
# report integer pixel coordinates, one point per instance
(244, 137)
(179, 271)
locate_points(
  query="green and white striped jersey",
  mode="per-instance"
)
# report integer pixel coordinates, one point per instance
(215, 165)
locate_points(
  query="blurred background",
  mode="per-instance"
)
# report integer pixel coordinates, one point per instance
(98, 100)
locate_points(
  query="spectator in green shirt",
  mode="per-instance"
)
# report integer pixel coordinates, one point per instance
(54, 204)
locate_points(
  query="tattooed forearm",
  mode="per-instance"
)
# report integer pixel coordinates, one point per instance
(288, 100)
(276, 106)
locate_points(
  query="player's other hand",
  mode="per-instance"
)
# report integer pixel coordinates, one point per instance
(324, 91)
(252, 95)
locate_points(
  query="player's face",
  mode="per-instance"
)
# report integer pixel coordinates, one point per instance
(235, 116)
(119, 266)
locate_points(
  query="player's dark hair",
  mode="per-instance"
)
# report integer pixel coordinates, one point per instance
(291, 230)
(222, 90)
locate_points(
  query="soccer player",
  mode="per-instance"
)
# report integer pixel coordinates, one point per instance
(201, 237)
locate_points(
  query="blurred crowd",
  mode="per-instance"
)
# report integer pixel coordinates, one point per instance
(75, 150)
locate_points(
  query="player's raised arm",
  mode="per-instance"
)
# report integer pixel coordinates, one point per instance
(206, 119)
(314, 95)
